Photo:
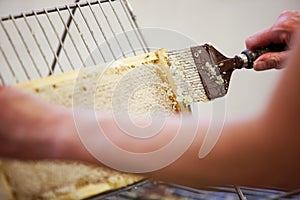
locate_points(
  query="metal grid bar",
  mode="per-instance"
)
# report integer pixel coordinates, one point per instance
(122, 27)
(92, 33)
(36, 42)
(288, 195)
(9, 66)
(81, 35)
(102, 32)
(131, 19)
(63, 38)
(134, 21)
(50, 10)
(112, 30)
(240, 193)
(48, 42)
(148, 189)
(14, 49)
(1, 80)
(42, 42)
(67, 30)
(26, 46)
(61, 43)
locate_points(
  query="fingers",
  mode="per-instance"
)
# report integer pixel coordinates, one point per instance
(279, 33)
(259, 39)
(270, 61)
(266, 37)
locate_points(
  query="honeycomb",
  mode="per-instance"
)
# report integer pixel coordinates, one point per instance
(139, 86)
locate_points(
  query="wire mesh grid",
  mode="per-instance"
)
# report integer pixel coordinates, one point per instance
(38, 43)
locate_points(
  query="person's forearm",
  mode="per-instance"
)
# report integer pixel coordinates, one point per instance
(245, 154)
(65, 143)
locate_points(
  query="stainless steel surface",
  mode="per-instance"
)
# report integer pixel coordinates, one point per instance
(240, 193)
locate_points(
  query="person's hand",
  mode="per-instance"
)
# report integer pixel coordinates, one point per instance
(280, 33)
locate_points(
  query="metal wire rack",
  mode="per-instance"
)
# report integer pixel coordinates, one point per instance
(38, 43)
(158, 190)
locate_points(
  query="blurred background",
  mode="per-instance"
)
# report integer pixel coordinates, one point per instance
(225, 24)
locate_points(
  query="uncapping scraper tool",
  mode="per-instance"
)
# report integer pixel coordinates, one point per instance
(202, 73)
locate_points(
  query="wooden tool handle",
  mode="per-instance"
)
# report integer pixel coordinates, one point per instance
(252, 55)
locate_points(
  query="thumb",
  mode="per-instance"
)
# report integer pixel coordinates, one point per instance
(270, 60)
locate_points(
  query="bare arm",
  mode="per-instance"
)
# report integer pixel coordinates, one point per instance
(258, 152)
